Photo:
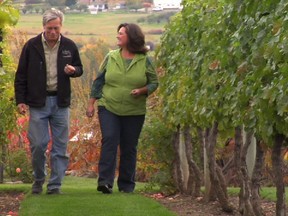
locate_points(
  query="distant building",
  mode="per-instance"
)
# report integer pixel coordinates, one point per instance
(92, 2)
(167, 4)
(87, 2)
(94, 9)
(116, 5)
(94, 6)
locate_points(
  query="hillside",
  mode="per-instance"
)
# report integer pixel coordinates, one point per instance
(86, 26)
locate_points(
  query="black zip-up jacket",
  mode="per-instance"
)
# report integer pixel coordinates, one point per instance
(31, 78)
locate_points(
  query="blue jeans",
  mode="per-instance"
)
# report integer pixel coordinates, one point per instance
(123, 131)
(41, 119)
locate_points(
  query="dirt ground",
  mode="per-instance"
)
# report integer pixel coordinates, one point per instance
(10, 202)
(180, 204)
(186, 205)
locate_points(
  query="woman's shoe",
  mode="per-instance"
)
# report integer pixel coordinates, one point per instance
(106, 189)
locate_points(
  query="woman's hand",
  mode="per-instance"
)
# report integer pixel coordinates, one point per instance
(139, 91)
(90, 111)
(90, 108)
(135, 92)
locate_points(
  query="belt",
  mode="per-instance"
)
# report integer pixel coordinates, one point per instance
(51, 93)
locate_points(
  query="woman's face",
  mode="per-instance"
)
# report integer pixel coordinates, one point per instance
(122, 38)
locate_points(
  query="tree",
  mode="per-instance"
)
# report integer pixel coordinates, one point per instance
(8, 17)
(134, 4)
(70, 2)
(225, 74)
(33, 1)
(56, 2)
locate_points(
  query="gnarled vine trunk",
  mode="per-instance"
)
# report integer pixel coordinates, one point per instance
(220, 187)
(201, 140)
(194, 180)
(247, 203)
(237, 155)
(177, 168)
(256, 179)
(277, 163)
(246, 181)
(210, 194)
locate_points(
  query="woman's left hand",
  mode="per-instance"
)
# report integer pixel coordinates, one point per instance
(90, 111)
(136, 92)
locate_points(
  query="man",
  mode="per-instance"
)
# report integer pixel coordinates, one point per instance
(42, 84)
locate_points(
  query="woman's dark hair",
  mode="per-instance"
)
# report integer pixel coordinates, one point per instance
(136, 38)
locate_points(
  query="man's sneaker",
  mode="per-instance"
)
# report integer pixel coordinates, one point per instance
(106, 189)
(54, 191)
(37, 187)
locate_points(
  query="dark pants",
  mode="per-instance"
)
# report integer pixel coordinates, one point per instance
(123, 131)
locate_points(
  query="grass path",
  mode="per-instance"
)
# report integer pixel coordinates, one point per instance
(81, 198)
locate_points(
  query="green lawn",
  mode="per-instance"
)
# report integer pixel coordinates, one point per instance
(81, 198)
(268, 193)
(85, 26)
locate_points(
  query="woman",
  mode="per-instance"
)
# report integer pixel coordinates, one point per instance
(125, 80)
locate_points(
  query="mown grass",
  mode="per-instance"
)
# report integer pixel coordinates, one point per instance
(86, 26)
(268, 193)
(81, 198)
(15, 187)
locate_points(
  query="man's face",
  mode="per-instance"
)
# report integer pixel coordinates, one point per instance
(52, 30)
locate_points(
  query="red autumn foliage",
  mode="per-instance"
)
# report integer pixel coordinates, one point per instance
(18, 138)
(84, 151)
(84, 147)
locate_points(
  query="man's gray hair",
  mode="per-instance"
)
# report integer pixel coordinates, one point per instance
(51, 15)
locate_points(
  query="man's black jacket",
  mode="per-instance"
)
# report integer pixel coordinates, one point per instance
(31, 77)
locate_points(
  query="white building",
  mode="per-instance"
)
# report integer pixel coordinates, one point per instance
(94, 9)
(167, 4)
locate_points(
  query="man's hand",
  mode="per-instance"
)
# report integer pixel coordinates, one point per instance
(22, 108)
(69, 69)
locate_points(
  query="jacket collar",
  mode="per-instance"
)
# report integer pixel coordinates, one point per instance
(37, 43)
(116, 55)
